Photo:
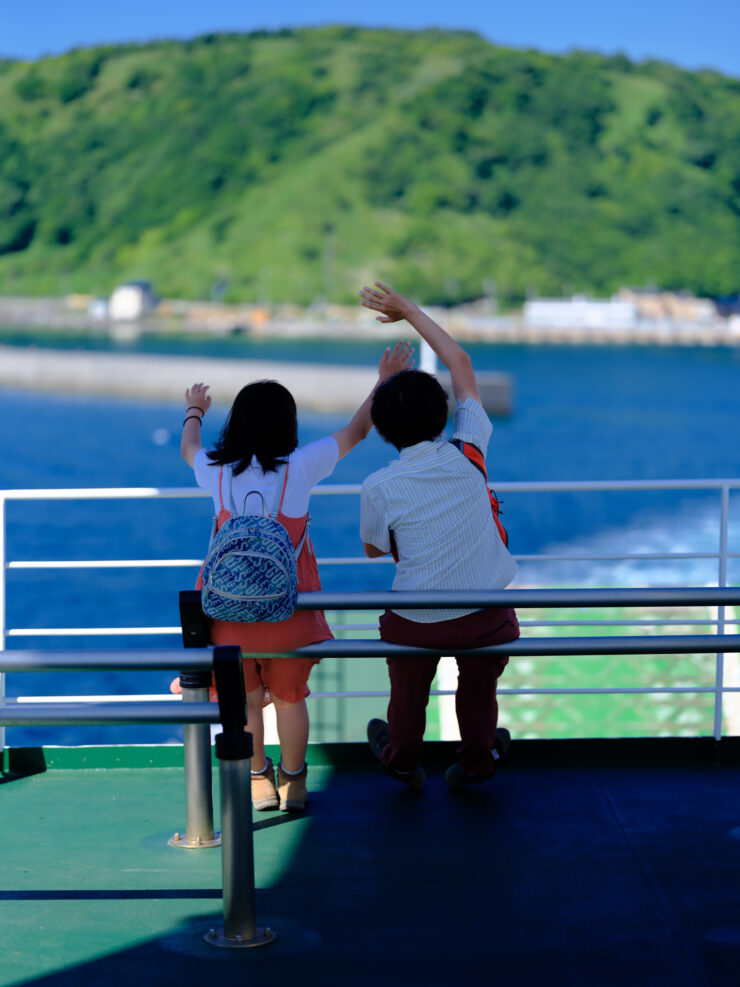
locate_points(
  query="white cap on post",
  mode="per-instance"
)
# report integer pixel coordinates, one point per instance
(427, 358)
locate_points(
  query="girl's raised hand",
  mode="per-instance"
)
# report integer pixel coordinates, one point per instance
(401, 357)
(197, 396)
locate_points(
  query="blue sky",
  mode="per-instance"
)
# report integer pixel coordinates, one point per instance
(689, 33)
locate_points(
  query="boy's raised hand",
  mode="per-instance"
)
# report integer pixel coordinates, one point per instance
(381, 298)
(401, 357)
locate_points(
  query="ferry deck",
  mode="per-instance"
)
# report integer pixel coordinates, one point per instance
(581, 863)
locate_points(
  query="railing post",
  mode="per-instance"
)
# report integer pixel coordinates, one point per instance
(196, 737)
(719, 672)
(234, 751)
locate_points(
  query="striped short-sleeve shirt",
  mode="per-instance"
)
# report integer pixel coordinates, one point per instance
(435, 503)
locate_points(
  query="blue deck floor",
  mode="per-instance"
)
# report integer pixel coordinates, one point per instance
(566, 869)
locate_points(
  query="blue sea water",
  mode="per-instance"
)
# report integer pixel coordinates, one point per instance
(583, 413)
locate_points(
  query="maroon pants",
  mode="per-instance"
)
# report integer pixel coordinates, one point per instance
(475, 699)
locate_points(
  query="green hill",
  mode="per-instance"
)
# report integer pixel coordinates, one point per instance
(297, 165)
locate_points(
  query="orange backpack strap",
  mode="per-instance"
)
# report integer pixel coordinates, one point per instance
(473, 454)
(278, 506)
(282, 492)
(223, 513)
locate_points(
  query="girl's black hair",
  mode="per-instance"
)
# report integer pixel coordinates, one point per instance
(263, 422)
(409, 407)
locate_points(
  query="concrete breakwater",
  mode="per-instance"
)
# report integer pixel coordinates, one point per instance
(320, 387)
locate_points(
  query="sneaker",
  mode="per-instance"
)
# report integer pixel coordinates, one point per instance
(264, 791)
(378, 737)
(292, 789)
(457, 777)
(501, 747)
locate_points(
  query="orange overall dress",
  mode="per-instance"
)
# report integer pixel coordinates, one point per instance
(286, 678)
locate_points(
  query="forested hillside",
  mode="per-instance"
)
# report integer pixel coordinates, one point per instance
(296, 165)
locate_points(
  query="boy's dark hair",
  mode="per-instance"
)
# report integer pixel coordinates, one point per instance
(263, 422)
(409, 407)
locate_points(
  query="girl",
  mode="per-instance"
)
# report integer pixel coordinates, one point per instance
(259, 437)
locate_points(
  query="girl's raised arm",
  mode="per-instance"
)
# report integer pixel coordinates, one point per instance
(198, 401)
(401, 357)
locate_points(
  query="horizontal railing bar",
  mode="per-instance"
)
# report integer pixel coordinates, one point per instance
(104, 493)
(136, 713)
(138, 697)
(81, 564)
(157, 660)
(507, 486)
(80, 714)
(154, 660)
(177, 631)
(637, 622)
(632, 557)
(107, 564)
(657, 690)
(95, 631)
(564, 486)
(663, 644)
(383, 694)
(546, 598)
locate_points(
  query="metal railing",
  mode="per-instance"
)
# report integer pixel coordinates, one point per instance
(721, 557)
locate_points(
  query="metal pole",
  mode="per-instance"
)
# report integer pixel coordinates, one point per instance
(196, 737)
(719, 674)
(234, 753)
(698, 596)
(240, 921)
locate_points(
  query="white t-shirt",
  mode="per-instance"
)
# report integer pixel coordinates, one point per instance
(307, 466)
(436, 504)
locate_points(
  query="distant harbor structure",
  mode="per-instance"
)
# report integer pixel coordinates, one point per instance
(131, 301)
(580, 312)
(632, 316)
(320, 387)
(655, 315)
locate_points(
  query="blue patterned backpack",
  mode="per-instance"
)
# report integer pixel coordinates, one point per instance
(250, 570)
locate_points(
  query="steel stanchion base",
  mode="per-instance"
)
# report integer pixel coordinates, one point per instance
(184, 843)
(216, 937)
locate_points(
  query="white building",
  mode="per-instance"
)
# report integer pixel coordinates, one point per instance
(580, 312)
(131, 301)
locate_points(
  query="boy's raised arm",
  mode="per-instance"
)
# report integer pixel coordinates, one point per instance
(394, 307)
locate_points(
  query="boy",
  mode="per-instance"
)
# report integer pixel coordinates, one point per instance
(431, 508)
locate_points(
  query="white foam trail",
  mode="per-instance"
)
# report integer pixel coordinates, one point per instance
(691, 529)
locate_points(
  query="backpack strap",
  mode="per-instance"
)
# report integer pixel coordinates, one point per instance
(222, 512)
(229, 480)
(473, 454)
(279, 490)
(278, 504)
(220, 493)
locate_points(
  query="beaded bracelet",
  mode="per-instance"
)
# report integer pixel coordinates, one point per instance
(196, 417)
